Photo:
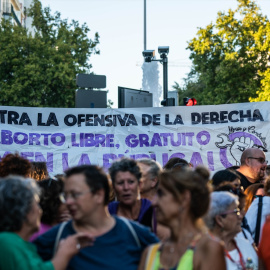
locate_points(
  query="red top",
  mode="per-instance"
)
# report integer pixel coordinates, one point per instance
(264, 246)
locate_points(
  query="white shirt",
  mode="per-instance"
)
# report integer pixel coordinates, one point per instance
(252, 212)
(247, 234)
(247, 251)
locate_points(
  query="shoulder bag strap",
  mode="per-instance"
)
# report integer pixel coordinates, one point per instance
(151, 255)
(258, 223)
(58, 236)
(131, 229)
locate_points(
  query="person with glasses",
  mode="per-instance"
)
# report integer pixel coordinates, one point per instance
(253, 167)
(118, 242)
(245, 232)
(224, 222)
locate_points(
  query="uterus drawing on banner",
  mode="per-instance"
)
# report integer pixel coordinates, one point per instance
(236, 141)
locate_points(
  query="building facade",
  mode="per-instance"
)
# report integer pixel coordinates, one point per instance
(15, 10)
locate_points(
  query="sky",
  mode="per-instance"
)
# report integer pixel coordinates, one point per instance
(120, 24)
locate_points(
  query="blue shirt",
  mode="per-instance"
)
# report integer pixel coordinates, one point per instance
(116, 249)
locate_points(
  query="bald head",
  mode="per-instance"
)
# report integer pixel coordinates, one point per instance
(251, 152)
(253, 164)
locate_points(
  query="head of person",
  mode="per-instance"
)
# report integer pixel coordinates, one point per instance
(125, 175)
(251, 192)
(50, 202)
(38, 170)
(254, 162)
(14, 164)
(226, 176)
(224, 216)
(239, 192)
(19, 208)
(176, 163)
(182, 194)
(86, 190)
(150, 170)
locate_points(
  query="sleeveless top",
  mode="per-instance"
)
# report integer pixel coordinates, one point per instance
(185, 262)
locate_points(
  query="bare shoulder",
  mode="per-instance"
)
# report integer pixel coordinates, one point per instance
(209, 243)
(143, 259)
(209, 254)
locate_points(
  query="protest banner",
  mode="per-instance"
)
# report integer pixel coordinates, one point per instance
(214, 136)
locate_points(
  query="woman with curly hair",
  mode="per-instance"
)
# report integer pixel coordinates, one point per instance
(38, 171)
(54, 211)
(14, 164)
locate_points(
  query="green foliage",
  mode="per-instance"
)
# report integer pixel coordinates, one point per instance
(40, 69)
(231, 58)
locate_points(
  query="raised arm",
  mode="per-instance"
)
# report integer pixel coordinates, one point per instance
(69, 247)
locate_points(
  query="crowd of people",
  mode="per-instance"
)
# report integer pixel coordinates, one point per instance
(137, 215)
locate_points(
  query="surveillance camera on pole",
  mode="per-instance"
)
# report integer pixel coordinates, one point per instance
(149, 57)
(163, 50)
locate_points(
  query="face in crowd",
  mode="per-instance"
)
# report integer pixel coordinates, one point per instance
(125, 175)
(126, 187)
(257, 164)
(86, 191)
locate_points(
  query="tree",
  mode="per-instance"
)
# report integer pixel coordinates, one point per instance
(40, 70)
(230, 59)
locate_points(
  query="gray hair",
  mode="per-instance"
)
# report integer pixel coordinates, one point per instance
(125, 165)
(220, 202)
(155, 167)
(16, 200)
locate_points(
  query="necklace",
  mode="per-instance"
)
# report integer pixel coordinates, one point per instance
(242, 262)
(174, 253)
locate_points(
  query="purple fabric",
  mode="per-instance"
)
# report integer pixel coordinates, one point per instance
(113, 206)
(43, 228)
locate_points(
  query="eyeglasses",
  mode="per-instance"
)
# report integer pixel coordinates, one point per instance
(260, 159)
(235, 211)
(74, 195)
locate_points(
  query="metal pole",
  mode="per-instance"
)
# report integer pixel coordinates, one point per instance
(144, 24)
(165, 76)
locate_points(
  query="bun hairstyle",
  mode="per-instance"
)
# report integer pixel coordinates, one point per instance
(195, 181)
